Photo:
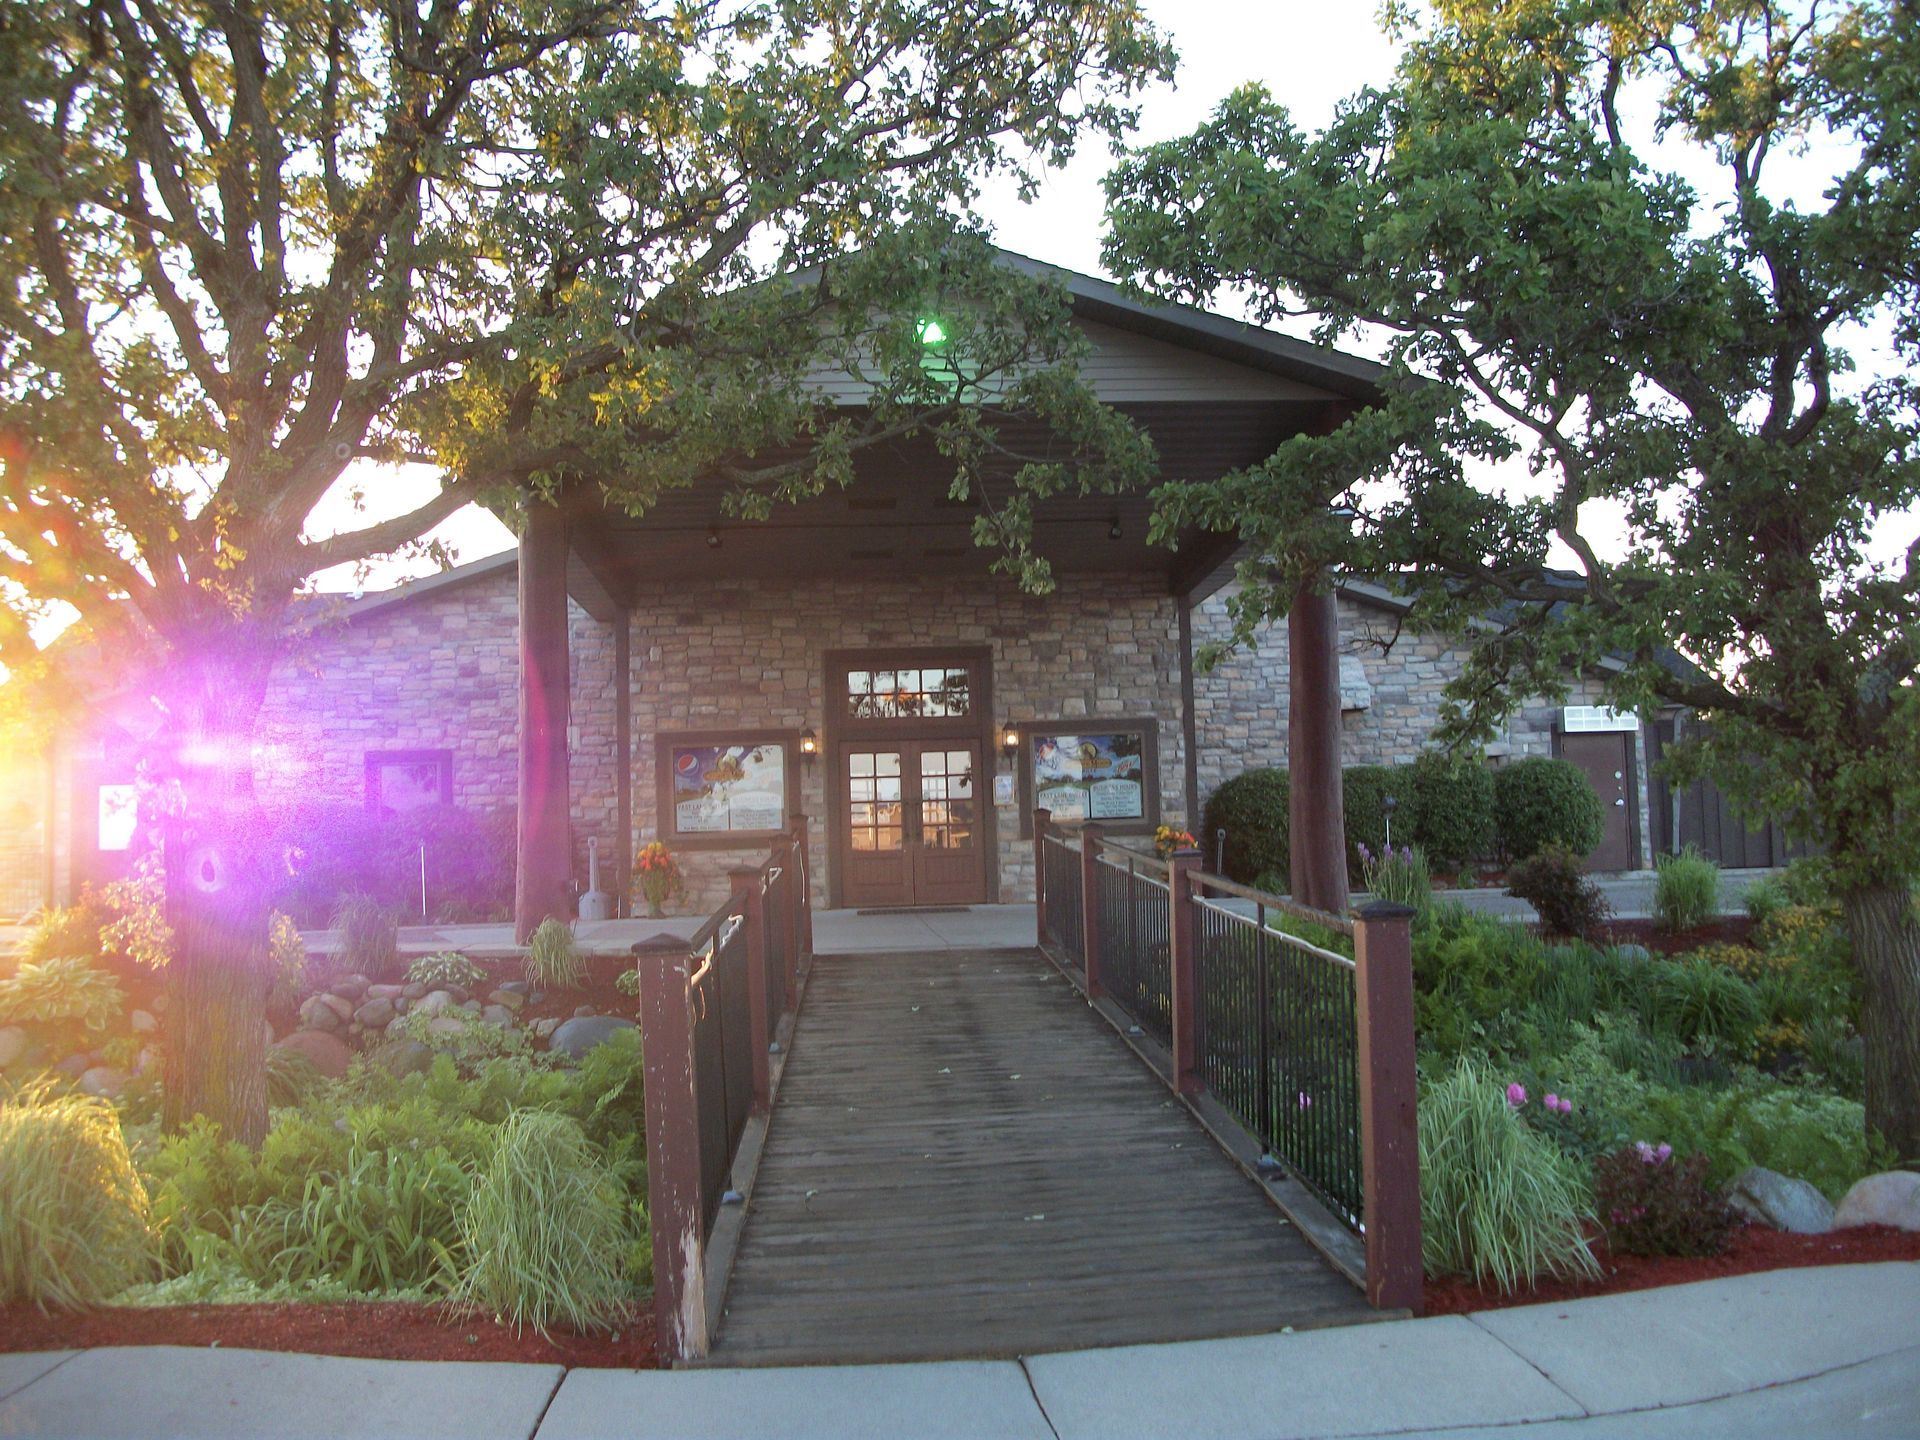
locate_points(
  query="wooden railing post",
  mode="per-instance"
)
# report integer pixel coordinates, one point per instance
(1389, 1114)
(1090, 907)
(746, 899)
(1183, 960)
(1040, 818)
(803, 914)
(674, 1202)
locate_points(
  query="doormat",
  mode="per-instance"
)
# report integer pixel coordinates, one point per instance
(916, 910)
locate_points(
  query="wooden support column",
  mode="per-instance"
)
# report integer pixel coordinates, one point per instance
(543, 877)
(1318, 841)
(1389, 1119)
(674, 1204)
(747, 899)
(1183, 934)
(1090, 908)
(1189, 724)
(804, 858)
(1041, 816)
(623, 746)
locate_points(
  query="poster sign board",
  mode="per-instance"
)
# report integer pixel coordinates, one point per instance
(1090, 776)
(724, 789)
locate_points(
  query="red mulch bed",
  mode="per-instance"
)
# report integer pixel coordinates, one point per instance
(1754, 1248)
(373, 1329)
(1729, 930)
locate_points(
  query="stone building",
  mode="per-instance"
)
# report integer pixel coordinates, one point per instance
(703, 680)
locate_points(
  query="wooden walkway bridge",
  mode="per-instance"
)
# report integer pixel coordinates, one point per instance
(964, 1160)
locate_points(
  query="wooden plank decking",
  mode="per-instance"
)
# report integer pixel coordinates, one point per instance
(964, 1160)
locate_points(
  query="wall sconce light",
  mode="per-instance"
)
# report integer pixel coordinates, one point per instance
(809, 745)
(1010, 741)
(713, 537)
(1114, 532)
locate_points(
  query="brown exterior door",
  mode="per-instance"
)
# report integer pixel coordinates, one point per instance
(1607, 759)
(911, 823)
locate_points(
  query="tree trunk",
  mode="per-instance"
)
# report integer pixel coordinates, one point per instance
(220, 873)
(1886, 946)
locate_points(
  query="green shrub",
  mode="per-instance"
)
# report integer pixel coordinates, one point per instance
(1472, 974)
(1539, 802)
(1497, 1201)
(1364, 792)
(1700, 1003)
(1252, 809)
(1765, 898)
(291, 1076)
(287, 955)
(1553, 883)
(65, 999)
(1816, 1137)
(369, 937)
(447, 970)
(554, 961)
(387, 1221)
(1452, 802)
(64, 931)
(547, 1232)
(73, 1210)
(1654, 1202)
(1399, 877)
(1686, 890)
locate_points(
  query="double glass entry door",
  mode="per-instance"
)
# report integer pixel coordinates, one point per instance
(913, 817)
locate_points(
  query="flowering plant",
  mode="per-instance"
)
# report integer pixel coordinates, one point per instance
(1399, 876)
(1653, 1203)
(659, 875)
(1166, 840)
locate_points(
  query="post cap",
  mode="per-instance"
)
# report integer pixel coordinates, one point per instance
(1385, 910)
(659, 944)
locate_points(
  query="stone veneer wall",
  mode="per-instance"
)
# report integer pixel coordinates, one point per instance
(23, 833)
(1240, 708)
(440, 672)
(752, 654)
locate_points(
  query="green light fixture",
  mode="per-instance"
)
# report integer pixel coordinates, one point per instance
(932, 332)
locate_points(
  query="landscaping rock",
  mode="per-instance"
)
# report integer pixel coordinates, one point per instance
(414, 991)
(375, 1013)
(103, 1080)
(582, 1012)
(514, 987)
(403, 1057)
(1890, 1198)
(434, 1002)
(351, 987)
(498, 1015)
(468, 1007)
(74, 1066)
(577, 1036)
(543, 1029)
(315, 1014)
(402, 1005)
(512, 999)
(385, 992)
(1780, 1202)
(13, 1044)
(329, 1053)
(1638, 953)
(142, 1023)
(148, 1059)
(446, 1025)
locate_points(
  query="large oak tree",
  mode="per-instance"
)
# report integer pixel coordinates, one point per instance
(536, 243)
(1506, 217)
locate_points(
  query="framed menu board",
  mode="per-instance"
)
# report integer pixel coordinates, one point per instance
(1095, 769)
(720, 790)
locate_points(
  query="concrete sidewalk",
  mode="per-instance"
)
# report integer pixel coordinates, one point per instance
(1817, 1352)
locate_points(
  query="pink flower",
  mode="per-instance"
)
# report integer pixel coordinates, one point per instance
(1663, 1152)
(1552, 1102)
(1565, 1107)
(1516, 1094)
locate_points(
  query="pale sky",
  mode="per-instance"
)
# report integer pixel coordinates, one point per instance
(1309, 55)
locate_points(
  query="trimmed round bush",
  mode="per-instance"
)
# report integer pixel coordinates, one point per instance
(1452, 804)
(73, 1210)
(1539, 802)
(1252, 809)
(1363, 795)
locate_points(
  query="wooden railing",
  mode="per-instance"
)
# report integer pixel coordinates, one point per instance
(1304, 1052)
(713, 1012)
